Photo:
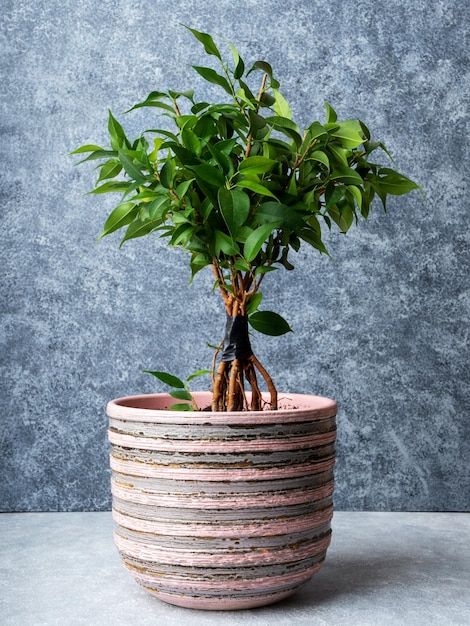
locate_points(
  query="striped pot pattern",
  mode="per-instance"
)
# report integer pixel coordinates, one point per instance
(222, 510)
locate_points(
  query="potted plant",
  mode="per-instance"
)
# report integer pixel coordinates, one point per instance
(227, 502)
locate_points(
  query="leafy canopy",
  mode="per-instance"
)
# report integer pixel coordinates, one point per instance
(237, 183)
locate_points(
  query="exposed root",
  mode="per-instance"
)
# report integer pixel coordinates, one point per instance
(220, 387)
(255, 390)
(235, 388)
(229, 388)
(268, 380)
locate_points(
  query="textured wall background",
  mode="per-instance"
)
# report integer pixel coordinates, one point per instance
(383, 328)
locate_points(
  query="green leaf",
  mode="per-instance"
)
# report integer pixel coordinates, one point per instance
(222, 159)
(267, 99)
(167, 174)
(265, 67)
(235, 207)
(182, 189)
(198, 373)
(153, 100)
(287, 127)
(272, 213)
(224, 243)
(356, 193)
(205, 128)
(181, 394)
(243, 233)
(121, 216)
(131, 169)
(208, 174)
(112, 187)
(320, 157)
(157, 208)
(212, 77)
(241, 265)
(116, 133)
(256, 187)
(256, 240)
(239, 64)
(256, 165)
(197, 263)
(139, 228)
(264, 269)
(99, 154)
(226, 146)
(395, 183)
(146, 194)
(110, 169)
(334, 194)
(248, 94)
(281, 106)
(349, 134)
(201, 259)
(185, 156)
(257, 122)
(157, 142)
(278, 214)
(198, 107)
(89, 147)
(316, 130)
(184, 231)
(181, 407)
(278, 149)
(343, 216)
(312, 237)
(269, 323)
(338, 154)
(331, 115)
(347, 175)
(168, 379)
(280, 122)
(206, 40)
(160, 131)
(370, 146)
(189, 94)
(284, 261)
(187, 121)
(254, 302)
(191, 141)
(292, 189)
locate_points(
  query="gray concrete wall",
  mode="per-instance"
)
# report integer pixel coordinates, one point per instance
(382, 327)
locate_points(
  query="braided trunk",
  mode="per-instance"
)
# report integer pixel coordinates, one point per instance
(238, 365)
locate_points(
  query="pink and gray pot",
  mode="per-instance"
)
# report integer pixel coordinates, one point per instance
(222, 510)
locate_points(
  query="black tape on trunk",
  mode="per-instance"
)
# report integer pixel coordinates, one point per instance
(236, 340)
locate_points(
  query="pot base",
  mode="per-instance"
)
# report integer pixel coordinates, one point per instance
(222, 604)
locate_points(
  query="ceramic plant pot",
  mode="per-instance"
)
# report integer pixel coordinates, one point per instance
(222, 510)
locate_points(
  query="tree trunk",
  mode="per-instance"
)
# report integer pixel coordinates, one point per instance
(238, 364)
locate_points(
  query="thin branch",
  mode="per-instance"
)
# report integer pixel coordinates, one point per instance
(220, 280)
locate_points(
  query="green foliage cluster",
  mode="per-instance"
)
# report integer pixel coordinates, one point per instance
(237, 183)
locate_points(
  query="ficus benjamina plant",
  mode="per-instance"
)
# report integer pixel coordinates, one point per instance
(239, 186)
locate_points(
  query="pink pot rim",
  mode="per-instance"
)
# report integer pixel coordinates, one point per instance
(151, 407)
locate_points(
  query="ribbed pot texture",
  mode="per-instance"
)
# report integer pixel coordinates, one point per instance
(222, 510)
